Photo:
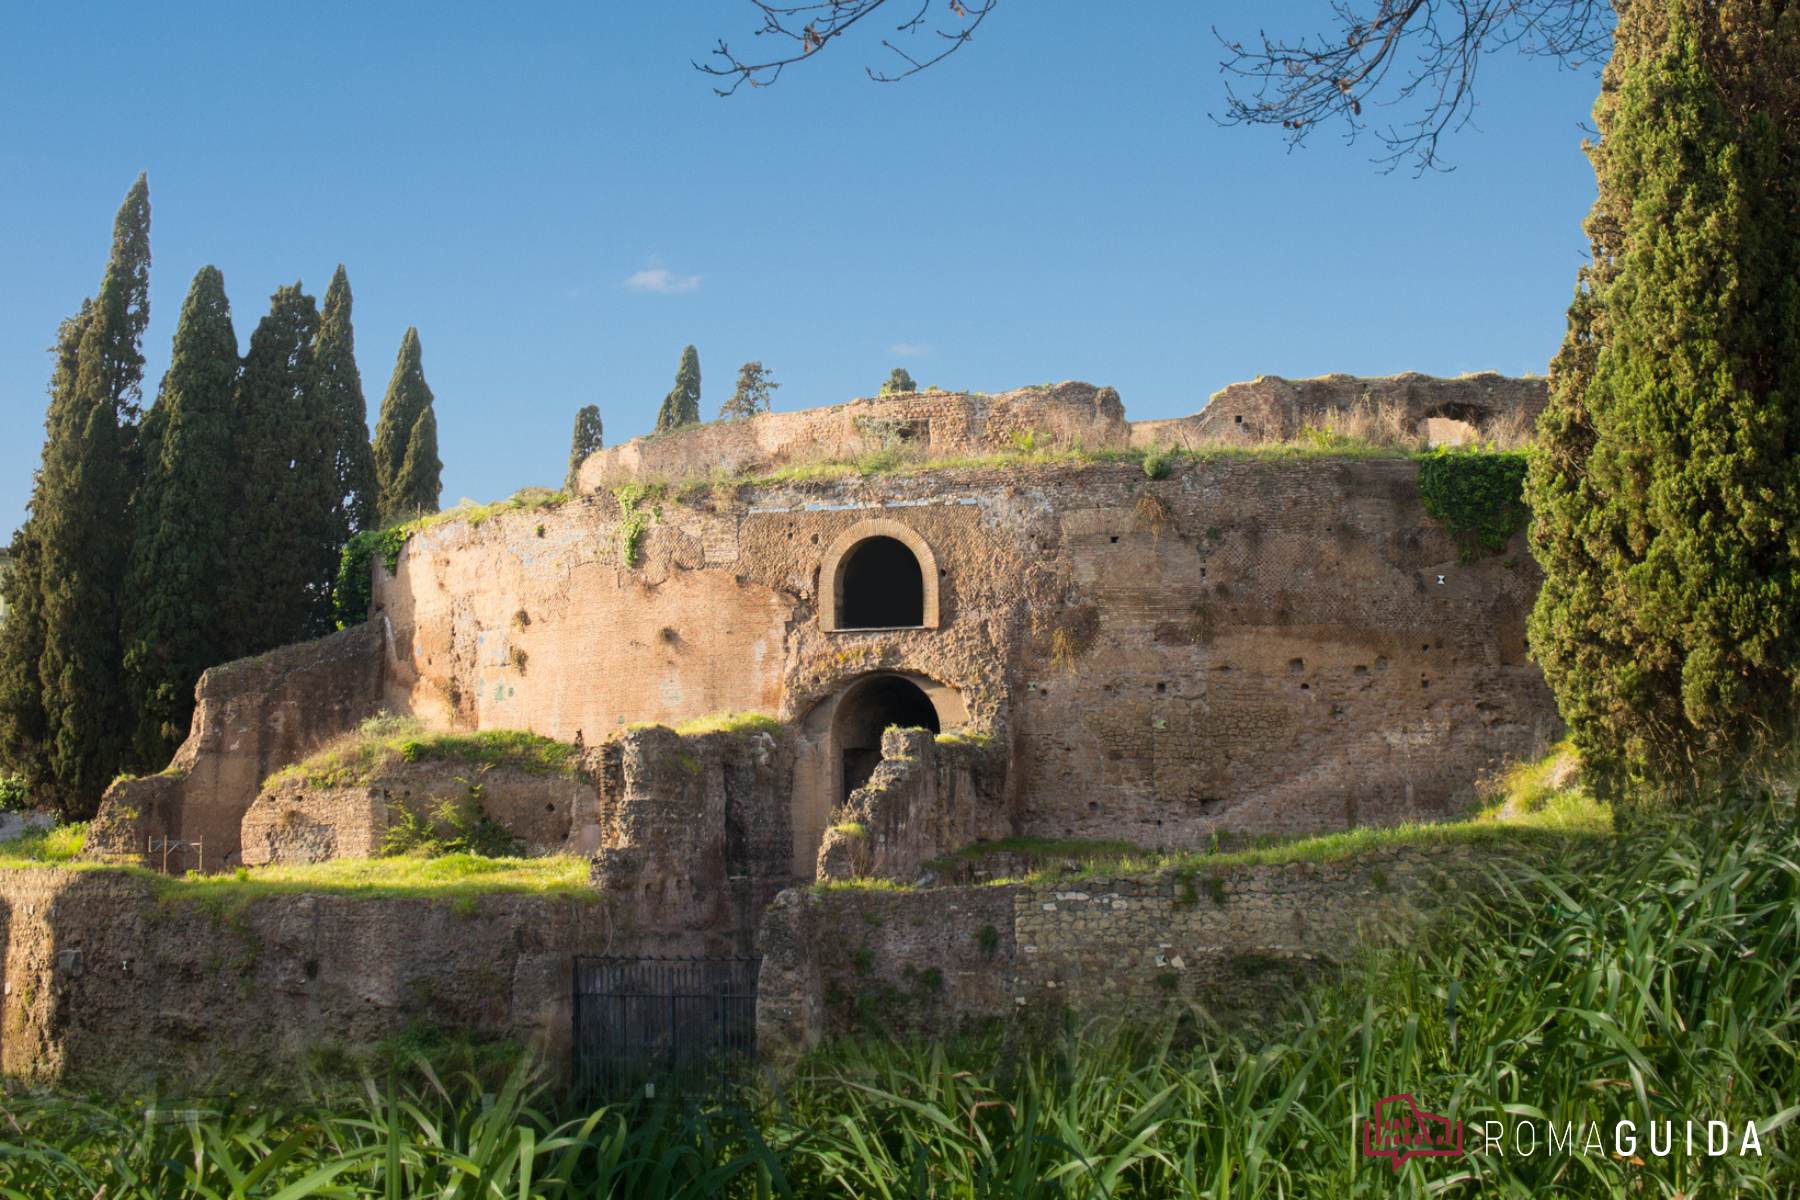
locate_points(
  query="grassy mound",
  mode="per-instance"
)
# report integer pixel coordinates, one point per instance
(385, 742)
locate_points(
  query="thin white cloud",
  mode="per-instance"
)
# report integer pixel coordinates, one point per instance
(660, 279)
(909, 350)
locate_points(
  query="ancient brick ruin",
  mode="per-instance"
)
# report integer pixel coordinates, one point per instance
(1251, 644)
(953, 652)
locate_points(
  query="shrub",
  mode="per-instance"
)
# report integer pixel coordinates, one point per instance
(15, 796)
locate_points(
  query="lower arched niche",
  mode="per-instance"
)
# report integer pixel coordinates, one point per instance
(840, 745)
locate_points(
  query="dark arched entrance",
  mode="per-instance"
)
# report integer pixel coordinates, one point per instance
(866, 711)
(883, 588)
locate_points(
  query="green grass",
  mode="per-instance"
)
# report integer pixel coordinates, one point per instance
(1520, 809)
(383, 743)
(1644, 977)
(744, 723)
(444, 876)
(55, 847)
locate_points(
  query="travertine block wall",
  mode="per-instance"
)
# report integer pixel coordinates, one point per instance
(1238, 941)
(1239, 938)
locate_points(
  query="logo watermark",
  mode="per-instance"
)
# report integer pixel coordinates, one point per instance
(1400, 1130)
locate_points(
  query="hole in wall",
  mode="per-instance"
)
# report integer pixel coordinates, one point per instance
(1162, 689)
(1360, 671)
(1114, 540)
(1296, 665)
(883, 587)
(868, 711)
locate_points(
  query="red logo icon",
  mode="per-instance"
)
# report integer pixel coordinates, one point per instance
(1400, 1131)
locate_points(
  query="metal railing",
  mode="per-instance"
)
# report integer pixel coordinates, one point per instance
(682, 1023)
(168, 846)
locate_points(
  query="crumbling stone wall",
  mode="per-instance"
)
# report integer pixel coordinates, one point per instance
(694, 837)
(254, 716)
(107, 987)
(905, 964)
(948, 424)
(292, 820)
(1271, 408)
(1238, 941)
(928, 796)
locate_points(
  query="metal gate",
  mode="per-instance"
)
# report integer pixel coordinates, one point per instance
(685, 1022)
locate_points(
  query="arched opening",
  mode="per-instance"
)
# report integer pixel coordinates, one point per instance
(868, 710)
(883, 588)
(1453, 424)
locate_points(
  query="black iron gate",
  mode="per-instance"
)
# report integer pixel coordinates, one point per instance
(682, 1022)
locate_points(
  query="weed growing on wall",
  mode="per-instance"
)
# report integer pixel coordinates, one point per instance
(1480, 497)
(452, 828)
(634, 521)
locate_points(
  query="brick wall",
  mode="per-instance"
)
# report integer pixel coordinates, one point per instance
(1246, 645)
(107, 987)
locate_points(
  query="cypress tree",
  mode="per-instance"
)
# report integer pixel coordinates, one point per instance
(24, 723)
(80, 511)
(181, 555)
(1666, 489)
(339, 385)
(417, 488)
(682, 405)
(407, 398)
(283, 553)
(587, 440)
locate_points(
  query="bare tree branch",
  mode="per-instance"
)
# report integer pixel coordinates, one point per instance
(1300, 85)
(803, 30)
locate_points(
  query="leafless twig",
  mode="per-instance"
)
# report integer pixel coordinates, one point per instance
(1301, 84)
(804, 29)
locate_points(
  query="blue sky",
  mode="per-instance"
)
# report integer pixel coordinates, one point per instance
(560, 203)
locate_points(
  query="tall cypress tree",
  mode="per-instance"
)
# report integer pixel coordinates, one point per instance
(682, 405)
(181, 556)
(339, 385)
(417, 488)
(1666, 490)
(407, 398)
(24, 723)
(80, 514)
(588, 439)
(282, 554)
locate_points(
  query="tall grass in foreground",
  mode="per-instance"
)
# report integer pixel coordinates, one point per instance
(1648, 979)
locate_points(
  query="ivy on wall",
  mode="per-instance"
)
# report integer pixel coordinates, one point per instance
(1478, 495)
(351, 596)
